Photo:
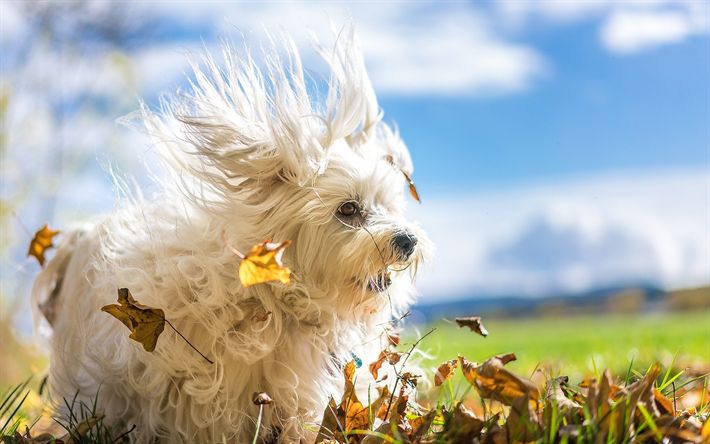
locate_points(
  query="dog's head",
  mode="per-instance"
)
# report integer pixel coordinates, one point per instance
(275, 163)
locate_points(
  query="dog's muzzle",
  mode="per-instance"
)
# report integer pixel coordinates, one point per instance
(404, 244)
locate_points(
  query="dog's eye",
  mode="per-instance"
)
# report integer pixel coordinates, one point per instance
(348, 209)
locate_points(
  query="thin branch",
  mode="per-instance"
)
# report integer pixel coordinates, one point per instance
(409, 353)
(188, 342)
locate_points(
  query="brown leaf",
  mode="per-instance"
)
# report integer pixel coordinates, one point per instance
(474, 323)
(264, 263)
(555, 395)
(408, 178)
(665, 405)
(412, 187)
(331, 425)
(421, 425)
(524, 423)
(41, 242)
(444, 371)
(383, 402)
(391, 357)
(462, 426)
(399, 416)
(492, 381)
(392, 335)
(261, 398)
(409, 379)
(145, 323)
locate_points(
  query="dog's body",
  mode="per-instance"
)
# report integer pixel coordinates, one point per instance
(252, 159)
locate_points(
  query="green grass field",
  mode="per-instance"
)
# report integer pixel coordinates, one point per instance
(573, 346)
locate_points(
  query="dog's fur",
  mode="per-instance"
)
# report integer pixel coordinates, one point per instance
(253, 156)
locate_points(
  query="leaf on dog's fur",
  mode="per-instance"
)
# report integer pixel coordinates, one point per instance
(41, 242)
(444, 371)
(412, 187)
(263, 264)
(474, 323)
(145, 323)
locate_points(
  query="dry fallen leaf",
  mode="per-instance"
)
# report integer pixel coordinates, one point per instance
(492, 381)
(665, 405)
(41, 242)
(444, 371)
(263, 264)
(330, 425)
(462, 426)
(474, 323)
(555, 395)
(145, 323)
(357, 416)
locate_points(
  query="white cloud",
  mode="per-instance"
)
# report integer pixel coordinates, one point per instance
(571, 236)
(410, 49)
(627, 26)
(630, 31)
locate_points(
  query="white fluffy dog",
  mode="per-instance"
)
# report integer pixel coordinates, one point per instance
(253, 155)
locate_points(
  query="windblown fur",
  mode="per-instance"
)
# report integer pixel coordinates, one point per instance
(252, 155)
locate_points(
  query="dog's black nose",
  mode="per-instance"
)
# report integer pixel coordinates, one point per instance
(405, 243)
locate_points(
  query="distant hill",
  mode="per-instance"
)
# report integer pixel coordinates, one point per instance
(612, 299)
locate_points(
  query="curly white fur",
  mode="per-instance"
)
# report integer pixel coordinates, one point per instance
(253, 156)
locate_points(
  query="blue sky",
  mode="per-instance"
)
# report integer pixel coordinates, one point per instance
(593, 112)
(558, 145)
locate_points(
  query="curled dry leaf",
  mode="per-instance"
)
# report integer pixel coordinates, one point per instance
(41, 242)
(444, 371)
(555, 395)
(261, 398)
(492, 381)
(264, 263)
(145, 323)
(391, 357)
(474, 323)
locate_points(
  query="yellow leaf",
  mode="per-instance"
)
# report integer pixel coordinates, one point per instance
(356, 416)
(41, 241)
(263, 264)
(145, 323)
